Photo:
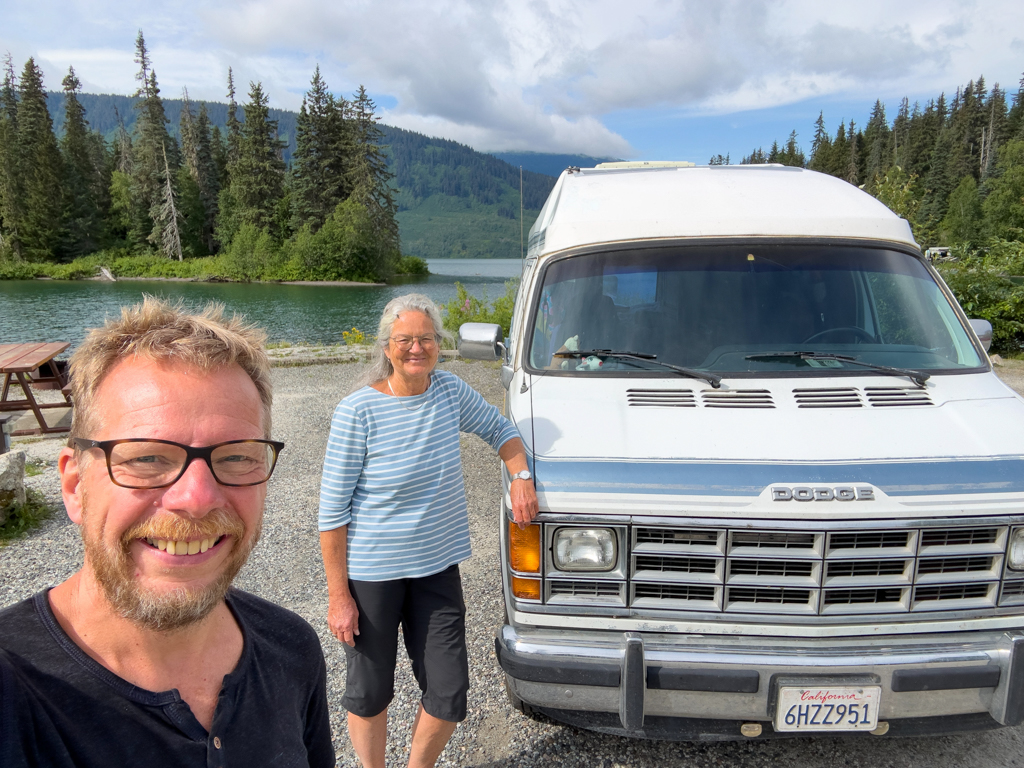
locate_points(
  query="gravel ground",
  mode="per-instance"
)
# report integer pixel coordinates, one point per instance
(286, 568)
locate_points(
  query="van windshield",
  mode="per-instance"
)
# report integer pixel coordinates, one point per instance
(728, 309)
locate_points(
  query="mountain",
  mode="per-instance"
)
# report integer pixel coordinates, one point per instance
(548, 163)
(453, 202)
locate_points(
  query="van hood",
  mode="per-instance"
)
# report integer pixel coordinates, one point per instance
(604, 433)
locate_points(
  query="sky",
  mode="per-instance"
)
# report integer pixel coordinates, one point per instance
(644, 79)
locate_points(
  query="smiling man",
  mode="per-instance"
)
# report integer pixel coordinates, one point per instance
(147, 656)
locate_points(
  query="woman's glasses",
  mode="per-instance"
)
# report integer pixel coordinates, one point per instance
(405, 343)
(138, 462)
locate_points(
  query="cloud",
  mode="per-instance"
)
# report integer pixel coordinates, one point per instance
(534, 74)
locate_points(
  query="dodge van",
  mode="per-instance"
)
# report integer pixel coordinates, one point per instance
(781, 488)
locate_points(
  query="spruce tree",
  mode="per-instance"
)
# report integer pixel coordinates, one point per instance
(197, 153)
(876, 140)
(151, 142)
(40, 169)
(320, 164)
(11, 197)
(257, 174)
(852, 172)
(233, 126)
(370, 179)
(821, 146)
(83, 180)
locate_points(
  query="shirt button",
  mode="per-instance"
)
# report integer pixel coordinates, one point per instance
(216, 742)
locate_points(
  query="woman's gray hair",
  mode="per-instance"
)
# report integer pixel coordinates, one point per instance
(380, 367)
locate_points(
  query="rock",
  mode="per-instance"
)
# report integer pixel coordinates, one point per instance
(12, 482)
(996, 359)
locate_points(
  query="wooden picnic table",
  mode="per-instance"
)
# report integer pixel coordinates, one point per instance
(16, 362)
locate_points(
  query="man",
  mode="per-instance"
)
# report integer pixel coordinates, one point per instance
(146, 656)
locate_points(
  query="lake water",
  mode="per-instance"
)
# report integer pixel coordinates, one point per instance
(54, 310)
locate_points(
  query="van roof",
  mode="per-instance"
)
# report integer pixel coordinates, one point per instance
(652, 201)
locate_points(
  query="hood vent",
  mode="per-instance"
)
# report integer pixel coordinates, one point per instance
(661, 398)
(843, 397)
(883, 397)
(737, 398)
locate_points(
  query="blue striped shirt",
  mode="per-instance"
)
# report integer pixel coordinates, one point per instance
(393, 475)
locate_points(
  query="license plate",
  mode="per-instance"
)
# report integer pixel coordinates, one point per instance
(828, 708)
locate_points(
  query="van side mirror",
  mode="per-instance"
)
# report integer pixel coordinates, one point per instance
(481, 341)
(983, 329)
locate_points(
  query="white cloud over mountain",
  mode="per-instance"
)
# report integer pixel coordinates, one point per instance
(541, 74)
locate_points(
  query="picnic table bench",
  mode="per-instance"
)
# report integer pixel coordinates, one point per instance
(17, 361)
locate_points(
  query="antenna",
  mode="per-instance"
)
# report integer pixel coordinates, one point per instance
(522, 246)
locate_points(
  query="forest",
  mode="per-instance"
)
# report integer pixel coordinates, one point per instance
(955, 170)
(198, 202)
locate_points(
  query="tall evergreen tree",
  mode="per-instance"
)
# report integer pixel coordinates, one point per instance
(323, 149)
(370, 178)
(197, 152)
(233, 126)
(257, 175)
(876, 140)
(151, 142)
(821, 146)
(40, 169)
(11, 198)
(83, 180)
(852, 172)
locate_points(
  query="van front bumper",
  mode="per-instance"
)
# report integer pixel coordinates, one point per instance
(704, 687)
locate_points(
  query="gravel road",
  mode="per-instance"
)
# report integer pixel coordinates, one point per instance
(286, 568)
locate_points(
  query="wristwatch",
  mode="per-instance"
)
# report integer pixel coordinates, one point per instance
(524, 475)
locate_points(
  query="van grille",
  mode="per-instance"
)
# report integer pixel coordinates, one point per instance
(819, 571)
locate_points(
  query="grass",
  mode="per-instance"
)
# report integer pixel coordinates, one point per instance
(21, 520)
(34, 467)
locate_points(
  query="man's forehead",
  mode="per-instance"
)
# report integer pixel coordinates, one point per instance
(139, 383)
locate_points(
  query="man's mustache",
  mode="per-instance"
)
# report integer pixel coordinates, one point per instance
(213, 525)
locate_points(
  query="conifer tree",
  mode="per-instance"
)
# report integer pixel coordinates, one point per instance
(852, 173)
(320, 163)
(197, 152)
(168, 218)
(821, 147)
(233, 125)
(83, 180)
(11, 199)
(40, 169)
(151, 142)
(370, 178)
(257, 175)
(839, 157)
(876, 140)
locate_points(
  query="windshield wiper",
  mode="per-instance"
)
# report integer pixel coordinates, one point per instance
(713, 379)
(918, 377)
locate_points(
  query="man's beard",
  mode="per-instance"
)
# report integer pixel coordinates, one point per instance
(175, 608)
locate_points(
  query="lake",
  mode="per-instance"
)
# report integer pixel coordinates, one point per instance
(57, 310)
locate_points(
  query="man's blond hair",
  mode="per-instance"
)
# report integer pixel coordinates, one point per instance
(161, 331)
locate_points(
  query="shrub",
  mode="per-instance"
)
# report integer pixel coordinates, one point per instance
(984, 291)
(411, 265)
(465, 308)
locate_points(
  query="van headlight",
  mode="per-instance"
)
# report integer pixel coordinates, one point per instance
(585, 549)
(1015, 554)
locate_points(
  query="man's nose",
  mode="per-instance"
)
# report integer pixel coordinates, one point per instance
(196, 493)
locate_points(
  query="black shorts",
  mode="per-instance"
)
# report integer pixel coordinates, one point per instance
(432, 614)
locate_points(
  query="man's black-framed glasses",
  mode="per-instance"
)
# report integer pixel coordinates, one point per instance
(138, 462)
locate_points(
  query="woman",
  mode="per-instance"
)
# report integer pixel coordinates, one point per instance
(394, 526)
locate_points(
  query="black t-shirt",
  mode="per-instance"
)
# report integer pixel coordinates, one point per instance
(59, 707)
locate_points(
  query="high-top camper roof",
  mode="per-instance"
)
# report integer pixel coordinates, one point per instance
(641, 202)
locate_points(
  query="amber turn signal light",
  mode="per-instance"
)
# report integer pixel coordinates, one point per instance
(524, 548)
(528, 589)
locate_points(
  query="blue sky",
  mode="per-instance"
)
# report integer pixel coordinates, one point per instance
(651, 79)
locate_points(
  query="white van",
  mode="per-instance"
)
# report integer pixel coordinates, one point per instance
(781, 489)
